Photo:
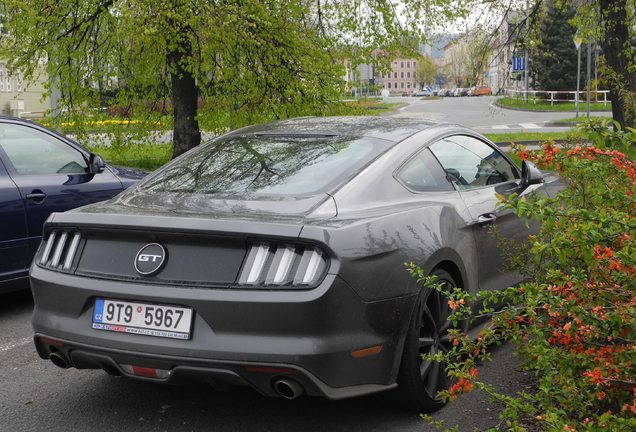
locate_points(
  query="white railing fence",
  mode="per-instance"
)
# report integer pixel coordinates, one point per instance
(556, 96)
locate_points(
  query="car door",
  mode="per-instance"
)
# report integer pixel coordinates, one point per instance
(480, 172)
(51, 175)
(13, 232)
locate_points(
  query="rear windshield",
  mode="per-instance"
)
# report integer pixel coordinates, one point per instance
(268, 165)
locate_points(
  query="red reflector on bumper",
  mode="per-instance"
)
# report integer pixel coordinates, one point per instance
(52, 342)
(145, 372)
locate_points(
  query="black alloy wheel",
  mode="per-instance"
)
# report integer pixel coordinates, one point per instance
(420, 380)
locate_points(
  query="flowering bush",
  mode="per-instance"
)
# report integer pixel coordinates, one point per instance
(575, 321)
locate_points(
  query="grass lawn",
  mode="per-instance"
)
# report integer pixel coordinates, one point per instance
(507, 102)
(535, 136)
(581, 119)
(145, 156)
(371, 106)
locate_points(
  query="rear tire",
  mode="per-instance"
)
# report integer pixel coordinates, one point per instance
(420, 380)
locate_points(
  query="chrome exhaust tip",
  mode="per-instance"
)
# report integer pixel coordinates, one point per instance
(288, 389)
(58, 360)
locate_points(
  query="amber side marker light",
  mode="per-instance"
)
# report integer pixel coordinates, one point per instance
(366, 352)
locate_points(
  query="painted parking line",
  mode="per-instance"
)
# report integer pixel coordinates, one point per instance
(500, 127)
(15, 344)
(529, 126)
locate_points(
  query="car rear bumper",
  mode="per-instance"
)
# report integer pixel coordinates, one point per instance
(253, 338)
(220, 375)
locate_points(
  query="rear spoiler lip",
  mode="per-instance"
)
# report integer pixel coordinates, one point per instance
(290, 228)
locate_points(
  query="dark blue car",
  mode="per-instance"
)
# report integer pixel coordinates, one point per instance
(43, 172)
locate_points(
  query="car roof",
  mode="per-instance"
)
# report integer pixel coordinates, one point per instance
(387, 128)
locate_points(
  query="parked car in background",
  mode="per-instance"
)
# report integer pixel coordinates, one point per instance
(42, 172)
(421, 93)
(483, 91)
(471, 91)
(273, 257)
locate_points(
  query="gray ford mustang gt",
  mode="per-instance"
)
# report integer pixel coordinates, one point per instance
(273, 257)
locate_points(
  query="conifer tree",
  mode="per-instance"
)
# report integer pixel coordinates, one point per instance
(555, 58)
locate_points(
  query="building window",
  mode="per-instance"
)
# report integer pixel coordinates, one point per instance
(408, 84)
(402, 84)
(401, 74)
(402, 64)
(408, 64)
(413, 64)
(408, 74)
(394, 74)
(388, 85)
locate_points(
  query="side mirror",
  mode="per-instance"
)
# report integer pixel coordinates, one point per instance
(530, 174)
(95, 163)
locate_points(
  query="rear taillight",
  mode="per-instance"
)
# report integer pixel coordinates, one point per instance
(59, 249)
(283, 265)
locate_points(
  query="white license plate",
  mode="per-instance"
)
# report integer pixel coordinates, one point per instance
(140, 318)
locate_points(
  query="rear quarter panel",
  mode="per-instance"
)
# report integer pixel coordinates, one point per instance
(372, 252)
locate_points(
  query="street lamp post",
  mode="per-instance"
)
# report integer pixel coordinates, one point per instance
(577, 42)
(589, 72)
(525, 64)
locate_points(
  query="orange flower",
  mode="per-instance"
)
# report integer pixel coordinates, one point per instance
(455, 304)
(596, 375)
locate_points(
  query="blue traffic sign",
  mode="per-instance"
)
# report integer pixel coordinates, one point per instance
(518, 63)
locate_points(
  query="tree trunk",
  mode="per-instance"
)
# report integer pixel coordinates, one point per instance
(619, 56)
(186, 134)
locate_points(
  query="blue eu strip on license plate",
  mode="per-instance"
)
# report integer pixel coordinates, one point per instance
(99, 310)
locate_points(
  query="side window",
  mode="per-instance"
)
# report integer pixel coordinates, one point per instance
(33, 152)
(470, 163)
(424, 174)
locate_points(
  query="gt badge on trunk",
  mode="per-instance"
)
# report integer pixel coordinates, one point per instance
(150, 259)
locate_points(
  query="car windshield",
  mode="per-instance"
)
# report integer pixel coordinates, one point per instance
(268, 165)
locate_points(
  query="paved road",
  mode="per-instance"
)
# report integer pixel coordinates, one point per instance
(479, 113)
(37, 396)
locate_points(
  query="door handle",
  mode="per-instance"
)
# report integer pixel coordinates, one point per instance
(36, 195)
(487, 218)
